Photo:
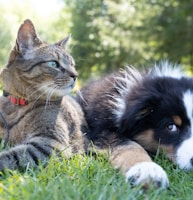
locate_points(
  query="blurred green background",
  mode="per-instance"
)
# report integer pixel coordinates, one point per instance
(106, 34)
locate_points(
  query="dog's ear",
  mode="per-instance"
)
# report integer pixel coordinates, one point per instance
(139, 114)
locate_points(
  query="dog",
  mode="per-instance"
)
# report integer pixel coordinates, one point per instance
(133, 114)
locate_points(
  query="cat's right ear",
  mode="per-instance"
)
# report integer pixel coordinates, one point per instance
(27, 38)
(63, 43)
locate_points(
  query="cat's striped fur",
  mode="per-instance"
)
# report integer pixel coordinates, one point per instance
(50, 122)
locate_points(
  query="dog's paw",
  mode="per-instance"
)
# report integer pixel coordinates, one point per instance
(146, 174)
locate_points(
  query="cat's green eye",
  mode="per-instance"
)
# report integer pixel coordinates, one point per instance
(52, 64)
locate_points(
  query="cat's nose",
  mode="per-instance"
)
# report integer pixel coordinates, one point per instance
(73, 75)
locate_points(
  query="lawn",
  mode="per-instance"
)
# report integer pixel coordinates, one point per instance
(86, 177)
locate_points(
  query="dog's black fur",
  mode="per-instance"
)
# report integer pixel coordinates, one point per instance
(150, 104)
(147, 108)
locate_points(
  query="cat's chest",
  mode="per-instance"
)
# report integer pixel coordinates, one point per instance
(22, 121)
(25, 121)
(12, 119)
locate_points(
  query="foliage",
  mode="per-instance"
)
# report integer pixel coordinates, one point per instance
(5, 38)
(13, 13)
(169, 30)
(84, 177)
(110, 34)
(103, 35)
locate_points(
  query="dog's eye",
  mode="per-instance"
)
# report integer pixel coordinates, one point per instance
(172, 128)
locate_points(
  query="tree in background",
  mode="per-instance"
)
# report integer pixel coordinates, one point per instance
(13, 13)
(104, 35)
(5, 40)
(173, 28)
(110, 34)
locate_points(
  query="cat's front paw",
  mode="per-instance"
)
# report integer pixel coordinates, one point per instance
(146, 174)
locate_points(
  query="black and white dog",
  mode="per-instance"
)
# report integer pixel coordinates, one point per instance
(131, 114)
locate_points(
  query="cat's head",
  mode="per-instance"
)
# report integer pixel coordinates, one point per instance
(36, 70)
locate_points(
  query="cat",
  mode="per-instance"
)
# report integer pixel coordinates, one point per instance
(40, 117)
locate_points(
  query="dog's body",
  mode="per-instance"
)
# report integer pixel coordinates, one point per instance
(131, 113)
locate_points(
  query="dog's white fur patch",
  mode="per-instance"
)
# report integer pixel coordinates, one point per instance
(185, 154)
(131, 76)
(167, 69)
(123, 83)
(188, 103)
(146, 173)
(185, 151)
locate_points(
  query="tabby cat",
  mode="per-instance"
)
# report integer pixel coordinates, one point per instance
(40, 119)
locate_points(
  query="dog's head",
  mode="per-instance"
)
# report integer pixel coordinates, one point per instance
(158, 114)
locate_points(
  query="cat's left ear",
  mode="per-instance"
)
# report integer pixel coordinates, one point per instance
(27, 38)
(63, 43)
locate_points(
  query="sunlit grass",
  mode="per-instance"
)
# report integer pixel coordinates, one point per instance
(86, 177)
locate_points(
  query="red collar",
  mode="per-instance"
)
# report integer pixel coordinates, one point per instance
(18, 101)
(15, 100)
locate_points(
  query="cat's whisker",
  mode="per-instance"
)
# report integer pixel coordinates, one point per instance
(79, 93)
(48, 90)
(72, 46)
(52, 90)
(45, 92)
(40, 88)
(44, 88)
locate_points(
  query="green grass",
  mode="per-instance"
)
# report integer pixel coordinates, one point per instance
(82, 178)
